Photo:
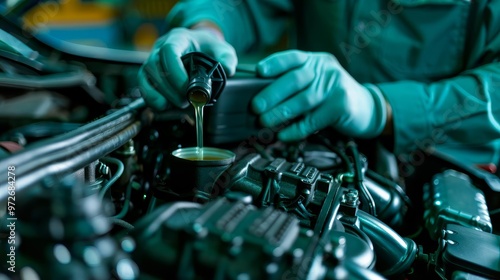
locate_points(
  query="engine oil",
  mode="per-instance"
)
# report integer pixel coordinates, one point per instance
(199, 99)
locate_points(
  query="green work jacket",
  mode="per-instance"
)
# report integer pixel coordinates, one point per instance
(435, 61)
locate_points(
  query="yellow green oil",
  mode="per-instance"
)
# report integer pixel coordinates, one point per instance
(198, 99)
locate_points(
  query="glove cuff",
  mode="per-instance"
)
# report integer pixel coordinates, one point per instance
(379, 118)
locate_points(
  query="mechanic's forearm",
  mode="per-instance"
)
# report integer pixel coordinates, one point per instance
(234, 24)
(246, 26)
(444, 113)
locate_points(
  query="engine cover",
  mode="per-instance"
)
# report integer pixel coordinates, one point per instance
(233, 240)
(451, 198)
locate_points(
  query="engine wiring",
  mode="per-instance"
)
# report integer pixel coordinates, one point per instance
(358, 179)
(126, 204)
(120, 167)
(353, 167)
(119, 171)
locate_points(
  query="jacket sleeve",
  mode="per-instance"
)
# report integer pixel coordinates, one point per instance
(460, 111)
(246, 25)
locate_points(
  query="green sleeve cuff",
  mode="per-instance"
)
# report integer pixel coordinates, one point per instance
(411, 118)
(233, 21)
(185, 15)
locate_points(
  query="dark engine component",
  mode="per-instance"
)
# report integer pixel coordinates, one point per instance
(227, 123)
(451, 198)
(467, 250)
(292, 187)
(235, 240)
(395, 254)
(390, 200)
(313, 209)
(198, 175)
(66, 237)
(206, 78)
(67, 153)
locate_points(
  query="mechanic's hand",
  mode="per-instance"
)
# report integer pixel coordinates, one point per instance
(316, 87)
(163, 76)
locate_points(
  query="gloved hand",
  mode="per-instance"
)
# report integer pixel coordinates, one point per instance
(316, 87)
(163, 78)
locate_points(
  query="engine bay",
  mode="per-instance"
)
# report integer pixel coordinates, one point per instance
(93, 189)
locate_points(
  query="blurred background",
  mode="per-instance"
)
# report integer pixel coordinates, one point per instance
(121, 24)
(97, 46)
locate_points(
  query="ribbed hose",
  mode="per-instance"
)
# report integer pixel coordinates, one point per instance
(395, 254)
(109, 124)
(71, 160)
(67, 153)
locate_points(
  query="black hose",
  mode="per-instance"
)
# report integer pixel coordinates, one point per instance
(54, 151)
(354, 230)
(356, 272)
(340, 153)
(386, 182)
(121, 223)
(110, 124)
(366, 197)
(41, 130)
(37, 154)
(69, 160)
(395, 254)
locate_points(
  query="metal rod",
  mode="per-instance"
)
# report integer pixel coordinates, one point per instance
(74, 150)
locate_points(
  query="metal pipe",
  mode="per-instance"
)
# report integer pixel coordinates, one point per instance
(395, 254)
(74, 150)
(32, 159)
(109, 124)
(71, 160)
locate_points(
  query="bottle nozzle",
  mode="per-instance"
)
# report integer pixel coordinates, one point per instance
(206, 78)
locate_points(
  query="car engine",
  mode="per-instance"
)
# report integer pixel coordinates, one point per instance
(92, 187)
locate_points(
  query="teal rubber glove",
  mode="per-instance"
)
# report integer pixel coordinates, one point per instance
(315, 87)
(163, 78)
